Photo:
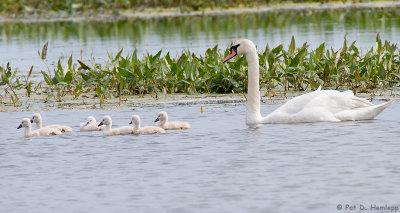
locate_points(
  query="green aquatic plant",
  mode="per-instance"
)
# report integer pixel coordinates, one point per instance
(27, 83)
(294, 68)
(11, 83)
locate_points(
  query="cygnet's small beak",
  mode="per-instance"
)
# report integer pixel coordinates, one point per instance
(31, 121)
(101, 123)
(87, 123)
(156, 120)
(130, 122)
(20, 126)
(231, 55)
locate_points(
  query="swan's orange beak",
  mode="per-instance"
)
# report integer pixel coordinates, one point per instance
(231, 55)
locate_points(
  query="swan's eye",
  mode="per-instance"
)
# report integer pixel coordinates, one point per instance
(234, 48)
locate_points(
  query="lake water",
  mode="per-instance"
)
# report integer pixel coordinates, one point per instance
(220, 165)
(21, 41)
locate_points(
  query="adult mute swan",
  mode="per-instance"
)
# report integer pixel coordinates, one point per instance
(316, 106)
(37, 118)
(26, 122)
(146, 129)
(163, 118)
(108, 131)
(91, 125)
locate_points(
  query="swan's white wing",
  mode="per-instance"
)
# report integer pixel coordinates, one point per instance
(335, 101)
(325, 105)
(298, 103)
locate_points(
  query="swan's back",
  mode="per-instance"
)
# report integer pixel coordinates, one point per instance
(62, 128)
(149, 130)
(175, 125)
(325, 105)
(111, 132)
(46, 131)
(125, 130)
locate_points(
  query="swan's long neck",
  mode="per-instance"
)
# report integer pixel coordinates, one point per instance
(137, 125)
(39, 124)
(253, 115)
(28, 131)
(108, 127)
(163, 122)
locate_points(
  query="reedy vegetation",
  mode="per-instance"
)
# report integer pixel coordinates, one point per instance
(285, 69)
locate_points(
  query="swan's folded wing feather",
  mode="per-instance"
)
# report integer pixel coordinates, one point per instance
(298, 103)
(331, 101)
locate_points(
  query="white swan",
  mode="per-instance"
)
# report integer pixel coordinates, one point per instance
(91, 125)
(319, 105)
(146, 129)
(108, 131)
(26, 122)
(163, 118)
(37, 118)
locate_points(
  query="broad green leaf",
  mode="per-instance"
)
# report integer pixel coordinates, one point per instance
(357, 76)
(70, 62)
(125, 73)
(83, 65)
(68, 77)
(85, 77)
(47, 78)
(118, 54)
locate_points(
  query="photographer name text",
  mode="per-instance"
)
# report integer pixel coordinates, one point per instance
(365, 207)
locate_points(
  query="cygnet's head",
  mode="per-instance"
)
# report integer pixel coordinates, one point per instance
(36, 118)
(240, 47)
(91, 120)
(106, 121)
(162, 116)
(135, 119)
(24, 123)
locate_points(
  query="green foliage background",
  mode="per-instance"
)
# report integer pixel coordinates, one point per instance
(39, 6)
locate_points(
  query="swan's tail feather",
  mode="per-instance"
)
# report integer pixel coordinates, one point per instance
(364, 113)
(380, 107)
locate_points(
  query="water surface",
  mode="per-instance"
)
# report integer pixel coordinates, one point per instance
(87, 40)
(220, 165)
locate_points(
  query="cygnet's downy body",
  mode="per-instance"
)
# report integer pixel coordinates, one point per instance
(91, 125)
(146, 129)
(172, 125)
(26, 123)
(108, 131)
(37, 119)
